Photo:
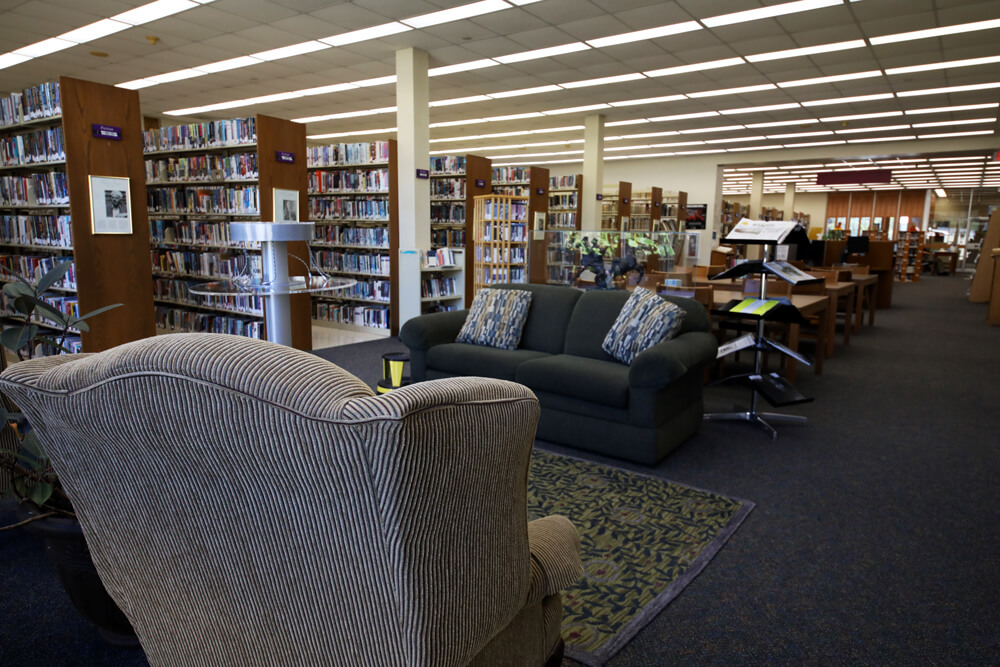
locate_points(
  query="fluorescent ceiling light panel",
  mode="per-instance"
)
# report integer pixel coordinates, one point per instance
(952, 159)
(880, 128)
(648, 100)
(456, 13)
(816, 143)
(948, 123)
(807, 50)
(515, 116)
(639, 35)
(861, 116)
(695, 67)
(225, 65)
(524, 91)
(453, 123)
(365, 34)
(96, 30)
(769, 147)
(871, 140)
(548, 52)
(587, 107)
(684, 116)
(43, 48)
(634, 121)
(699, 130)
(948, 89)
(964, 107)
(944, 65)
(459, 100)
(462, 67)
(178, 75)
(645, 135)
(734, 140)
(783, 123)
(847, 100)
(733, 91)
(384, 130)
(344, 114)
(378, 81)
(135, 84)
(323, 90)
(830, 79)
(153, 11)
(955, 134)
(11, 59)
(760, 109)
(517, 156)
(265, 99)
(289, 51)
(706, 152)
(679, 143)
(936, 32)
(603, 80)
(795, 135)
(768, 12)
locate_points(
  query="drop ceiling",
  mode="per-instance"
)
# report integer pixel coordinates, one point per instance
(738, 95)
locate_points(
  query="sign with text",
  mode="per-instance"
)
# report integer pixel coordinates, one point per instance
(106, 132)
(284, 156)
(849, 177)
(480, 183)
(423, 173)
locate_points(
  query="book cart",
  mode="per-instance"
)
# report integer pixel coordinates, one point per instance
(758, 311)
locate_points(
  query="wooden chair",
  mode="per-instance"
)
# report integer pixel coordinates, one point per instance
(703, 272)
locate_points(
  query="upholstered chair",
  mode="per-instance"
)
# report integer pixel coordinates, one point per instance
(251, 504)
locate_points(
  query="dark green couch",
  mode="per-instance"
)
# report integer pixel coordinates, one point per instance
(589, 400)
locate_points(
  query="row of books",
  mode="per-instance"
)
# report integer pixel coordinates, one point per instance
(439, 257)
(45, 189)
(438, 287)
(172, 289)
(180, 320)
(448, 164)
(349, 180)
(515, 232)
(33, 267)
(362, 316)
(448, 213)
(448, 188)
(454, 238)
(46, 230)
(213, 134)
(334, 155)
(214, 199)
(562, 182)
(503, 255)
(505, 209)
(41, 101)
(512, 190)
(33, 147)
(370, 290)
(375, 209)
(567, 200)
(503, 175)
(492, 275)
(370, 237)
(561, 255)
(205, 264)
(560, 275)
(194, 232)
(562, 219)
(239, 166)
(355, 262)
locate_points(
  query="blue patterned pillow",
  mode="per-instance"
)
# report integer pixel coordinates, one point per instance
(496, 318)
(645, 320)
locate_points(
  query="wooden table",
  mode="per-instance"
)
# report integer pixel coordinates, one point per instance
(835, 291)
(808, 305)
(865, 284)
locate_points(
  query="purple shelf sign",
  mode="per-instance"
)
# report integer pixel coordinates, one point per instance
(106, 131)
(284, 156)
(423, 173)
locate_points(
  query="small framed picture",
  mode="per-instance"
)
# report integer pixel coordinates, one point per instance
(110, 205)
(286, 205)
(693, 246)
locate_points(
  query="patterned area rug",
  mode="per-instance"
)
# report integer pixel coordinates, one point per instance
(643, 540)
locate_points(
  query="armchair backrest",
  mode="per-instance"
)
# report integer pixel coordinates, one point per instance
(247, 503)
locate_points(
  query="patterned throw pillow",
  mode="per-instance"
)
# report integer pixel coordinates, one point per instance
(645, 320)
(496, 318)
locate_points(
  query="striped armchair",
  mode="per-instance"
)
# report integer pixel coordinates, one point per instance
(250, 504)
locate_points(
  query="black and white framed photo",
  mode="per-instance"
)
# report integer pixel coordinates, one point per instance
(110, 205)
(286, 205)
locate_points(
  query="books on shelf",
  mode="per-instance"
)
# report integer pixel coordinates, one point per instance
(334, 155)
(440, 257)
(448, 164)
(41, 101)
(349, 180)
(38, 230)
(239, 166)
(344, 235)
(213, 134)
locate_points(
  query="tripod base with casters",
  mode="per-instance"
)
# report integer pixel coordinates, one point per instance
(762, 419)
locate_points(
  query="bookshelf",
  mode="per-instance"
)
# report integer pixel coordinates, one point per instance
(533, 183)
(201, 177)
(732, 212)
(909, 256)
(616, 206)
(674, 211)
(500, 233)
(646, 210)
(53, 138)
(565, 215)
(442, 280)
(352, 191)
(455, 181)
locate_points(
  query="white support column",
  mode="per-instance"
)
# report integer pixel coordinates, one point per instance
(412, 153)
(789, 200)
(756, 203)
(593, 172)
(926, 219)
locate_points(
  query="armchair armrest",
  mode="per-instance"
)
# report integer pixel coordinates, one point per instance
(426, 331)
(661, 364)
(555, 556)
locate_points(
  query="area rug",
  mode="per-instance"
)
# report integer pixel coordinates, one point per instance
(643, 539)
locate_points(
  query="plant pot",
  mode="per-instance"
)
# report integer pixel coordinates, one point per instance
(67, 551)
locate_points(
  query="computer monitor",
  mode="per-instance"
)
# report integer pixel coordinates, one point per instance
(857, 245)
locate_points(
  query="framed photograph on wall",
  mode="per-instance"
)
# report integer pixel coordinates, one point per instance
(110, 205)
(693, 246)
(286, 205)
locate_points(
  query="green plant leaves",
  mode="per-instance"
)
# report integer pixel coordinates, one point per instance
(54, 275)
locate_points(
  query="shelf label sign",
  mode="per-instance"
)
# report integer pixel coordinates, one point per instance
(540, 191)
(423, 173)
(106, 131)
(284, 156)
(480, 183)
(600, 197)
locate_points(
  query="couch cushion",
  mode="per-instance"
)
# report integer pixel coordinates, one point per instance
(604, 382)
(546, 333)
(465, 359)
(644, 320)
(590, 322)
(496, 318)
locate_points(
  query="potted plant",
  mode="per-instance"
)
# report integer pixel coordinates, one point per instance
(41, 327)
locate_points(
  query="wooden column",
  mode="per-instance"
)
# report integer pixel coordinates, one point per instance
(538, 203)
(478, 181)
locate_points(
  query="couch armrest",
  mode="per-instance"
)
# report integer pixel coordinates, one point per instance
(661, 364)
(426, 331)
(555, 556)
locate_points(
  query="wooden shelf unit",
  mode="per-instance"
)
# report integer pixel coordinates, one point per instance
(674, 211)
(353, 201)
(455, 183)
(732, 212)
(50, 151)
(616, 205)
(533, 183)
(565, 215)
(909, 256)
(646, 210)
(442, 280)
(501, 241)
(237, 165)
